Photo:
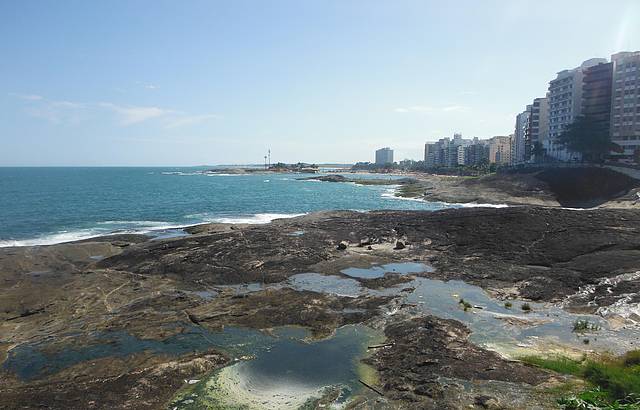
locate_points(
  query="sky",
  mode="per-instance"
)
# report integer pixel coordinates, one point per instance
(169, 83)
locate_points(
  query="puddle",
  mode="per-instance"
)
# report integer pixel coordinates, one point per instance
(97, 257)
(296, 233)
(379, 271)
(203, 294)
(510, 330)
(331, 284)
(33, 361)
(290, 374)
(167, 234)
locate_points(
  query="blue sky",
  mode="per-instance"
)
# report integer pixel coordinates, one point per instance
(211, 82)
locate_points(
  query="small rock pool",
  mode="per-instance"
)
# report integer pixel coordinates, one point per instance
(289, 373)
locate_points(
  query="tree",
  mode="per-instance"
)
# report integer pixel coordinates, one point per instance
(588, 137)
(538, 152)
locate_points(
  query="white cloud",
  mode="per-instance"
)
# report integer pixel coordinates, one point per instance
(132, 115)
(454, 108)
(190, 120)
(58, 111)
(414, 108)
(27, 97)
(429, 109)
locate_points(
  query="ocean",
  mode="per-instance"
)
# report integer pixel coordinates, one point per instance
(40, 206)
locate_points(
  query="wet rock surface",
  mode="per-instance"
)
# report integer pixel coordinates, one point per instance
(158, 296)
(546, 253)
(420, 352)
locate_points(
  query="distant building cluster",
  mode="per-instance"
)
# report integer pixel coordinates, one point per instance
(606, 91)
(456, 151)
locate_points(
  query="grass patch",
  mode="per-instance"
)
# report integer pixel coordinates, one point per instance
(558, 364)
(615, 380)
(508, 305)
(526, 307)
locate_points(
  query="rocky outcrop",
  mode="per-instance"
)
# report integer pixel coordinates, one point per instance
(420, 352)
(58, 299)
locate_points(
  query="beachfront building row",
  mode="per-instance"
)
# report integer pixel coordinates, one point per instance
(458, 151)
(607, 92)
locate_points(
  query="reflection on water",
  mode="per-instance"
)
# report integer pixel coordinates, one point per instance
(37, 360)
(379, 271)
(331, 284)
(507, 329)
(290, 373)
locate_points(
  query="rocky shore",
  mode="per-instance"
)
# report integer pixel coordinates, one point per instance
(124, 322)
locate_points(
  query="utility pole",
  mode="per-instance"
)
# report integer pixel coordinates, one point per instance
(269, 157)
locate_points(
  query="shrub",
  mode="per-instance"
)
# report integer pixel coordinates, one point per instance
(465, 305)
(616, 380)
(583, 325)
(631, 358)
(526, 307)
(508, 304)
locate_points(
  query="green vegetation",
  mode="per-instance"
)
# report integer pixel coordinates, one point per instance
(588, 137)
(615, 381)
(583, 326)
(631, 358)
(526, 307)
(538, 152)
(508, 305)
(595, 399)
(411, 190)
(558, 364)
(465, 305)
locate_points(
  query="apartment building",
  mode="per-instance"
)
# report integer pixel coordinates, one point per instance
(500, 150)
(537, 132)
(520, 136)
(625, 110)
(384, 156)
(565, 105)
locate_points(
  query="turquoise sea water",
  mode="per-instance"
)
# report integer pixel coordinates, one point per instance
(51, 205)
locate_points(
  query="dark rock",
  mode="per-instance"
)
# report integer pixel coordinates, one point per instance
(399, 245)
(342, 246)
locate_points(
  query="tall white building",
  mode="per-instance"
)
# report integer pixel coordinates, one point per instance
(625, 107)
(519, 137)
(565, 104)
(384, 156)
